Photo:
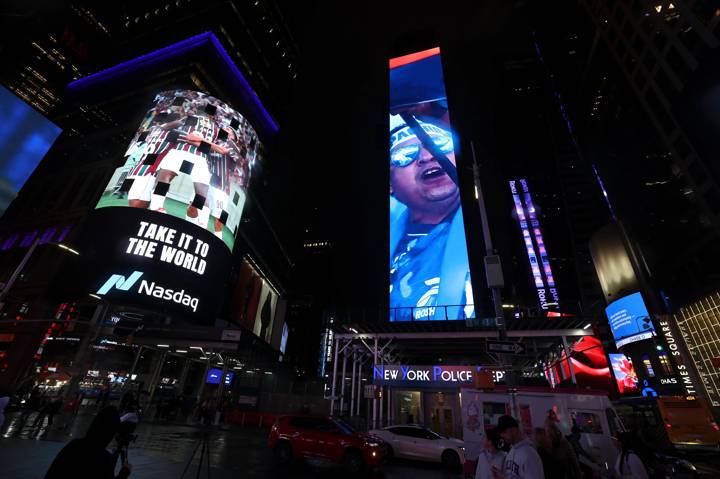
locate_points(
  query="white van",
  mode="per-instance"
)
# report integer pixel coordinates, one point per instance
(591, 410)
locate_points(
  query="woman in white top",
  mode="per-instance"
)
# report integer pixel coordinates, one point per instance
(491, 457)
(628, 464)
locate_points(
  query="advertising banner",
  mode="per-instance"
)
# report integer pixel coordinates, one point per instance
(629, 320)
(25, 138)
(191, 158)
(163, 230)
(625, 375)
(429, 270)
(430, 376)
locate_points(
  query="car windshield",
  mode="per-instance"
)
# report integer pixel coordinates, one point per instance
(344, 427)
(432, 434)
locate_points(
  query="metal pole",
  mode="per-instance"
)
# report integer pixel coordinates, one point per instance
(381, 403)
(360, 389)
(352, 384)
(6, 289)
(183, 375)
(342, 382)
(156, 378)
(374, 402)
(497, 298)
(96, 323)
(567, 356)
(201, 389)
(134, 366)
(334, 377)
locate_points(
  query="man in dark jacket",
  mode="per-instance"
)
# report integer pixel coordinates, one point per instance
(87, 457)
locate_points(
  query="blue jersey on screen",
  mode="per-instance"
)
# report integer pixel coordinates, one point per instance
(429, 272)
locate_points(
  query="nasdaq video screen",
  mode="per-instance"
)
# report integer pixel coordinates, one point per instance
(25, 137)
(429, 269)
(629, 320)
(163, 230)
(191, 158)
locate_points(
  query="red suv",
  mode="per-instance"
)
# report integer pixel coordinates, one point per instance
(326, 438)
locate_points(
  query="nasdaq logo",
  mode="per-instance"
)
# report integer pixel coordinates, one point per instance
(119, 282)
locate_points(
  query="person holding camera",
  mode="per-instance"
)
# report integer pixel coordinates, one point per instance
(87, 457)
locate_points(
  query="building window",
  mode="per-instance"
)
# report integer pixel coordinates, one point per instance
(648, 366)
(665, 363)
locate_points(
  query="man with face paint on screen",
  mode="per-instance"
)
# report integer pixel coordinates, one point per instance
(429, 271)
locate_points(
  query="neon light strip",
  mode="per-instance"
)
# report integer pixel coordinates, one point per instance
(537, 233)
(413, 57)
(177, 49)
(529, 248)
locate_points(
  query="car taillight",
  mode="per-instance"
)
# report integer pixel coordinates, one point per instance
(668, 425)
(715, 426)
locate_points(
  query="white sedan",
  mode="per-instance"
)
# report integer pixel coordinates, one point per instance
(418, 442)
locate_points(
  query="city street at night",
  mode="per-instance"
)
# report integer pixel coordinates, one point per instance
(282, 239)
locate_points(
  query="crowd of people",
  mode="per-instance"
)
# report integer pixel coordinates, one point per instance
(509, 454)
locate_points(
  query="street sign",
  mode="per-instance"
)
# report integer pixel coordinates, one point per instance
(230, 335)
(504, 347)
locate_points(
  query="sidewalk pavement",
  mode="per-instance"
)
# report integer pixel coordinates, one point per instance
(23, 458)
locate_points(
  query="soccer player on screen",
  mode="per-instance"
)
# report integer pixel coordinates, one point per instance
(195, 139)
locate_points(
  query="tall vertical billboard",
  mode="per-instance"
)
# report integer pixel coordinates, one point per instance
(24, 139)
(429, 269)
(548, 298)
(164, 227)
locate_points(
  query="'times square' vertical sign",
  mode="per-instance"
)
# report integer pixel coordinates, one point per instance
(535, 246)
(429, 270)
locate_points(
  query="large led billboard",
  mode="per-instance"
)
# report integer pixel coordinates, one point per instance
(429, 270)
(629, 320)
(191, 158)
(163, 230)
(625, 375)
(25, 137)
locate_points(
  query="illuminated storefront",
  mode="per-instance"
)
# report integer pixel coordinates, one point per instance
(699, 324)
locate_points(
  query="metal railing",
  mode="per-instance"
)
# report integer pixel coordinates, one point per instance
(449, 312)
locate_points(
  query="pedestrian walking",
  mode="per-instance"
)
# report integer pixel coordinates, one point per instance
(48, 411)
(129, 403)
(523, 460)
(491, 457)
(551, 468)
(4, 400)
(584, 458)
(87, 457)
(628, 464)
(561, 451)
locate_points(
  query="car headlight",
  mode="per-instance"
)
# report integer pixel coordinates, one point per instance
(372, 444)
(461, 448)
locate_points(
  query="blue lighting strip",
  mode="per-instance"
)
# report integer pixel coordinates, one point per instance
(568, 124)
(173, 50)
(537, 234)
(530, 249)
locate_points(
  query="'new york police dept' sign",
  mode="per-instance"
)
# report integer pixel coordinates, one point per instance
(430, 376)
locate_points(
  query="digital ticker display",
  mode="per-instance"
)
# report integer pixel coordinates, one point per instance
(629, 320)
(191, 158)
(25, 137)
(429, 269)
(163, 230)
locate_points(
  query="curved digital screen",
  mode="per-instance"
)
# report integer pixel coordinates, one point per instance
(191, 158)
(629, 320)
(429, 269)
(163, 230)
